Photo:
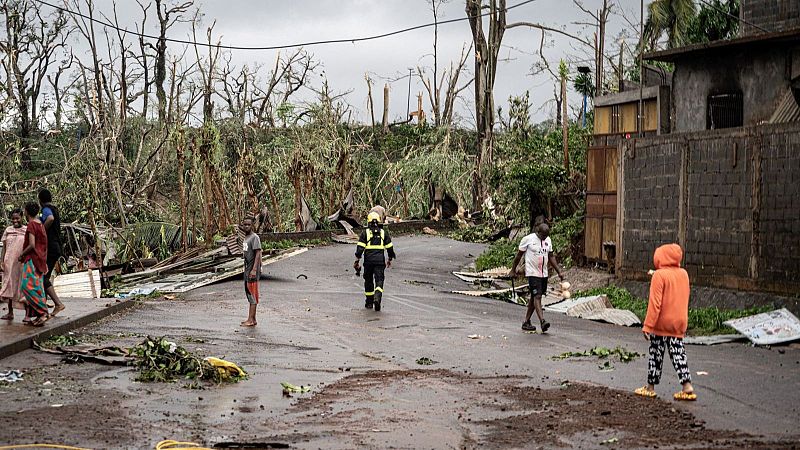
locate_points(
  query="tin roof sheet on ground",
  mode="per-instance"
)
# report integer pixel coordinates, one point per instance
(770, 328)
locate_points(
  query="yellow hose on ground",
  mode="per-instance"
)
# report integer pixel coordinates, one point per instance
(163, 445)
(64, 447)
(174, 445)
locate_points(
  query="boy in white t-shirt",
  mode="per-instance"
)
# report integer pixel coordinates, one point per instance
(538, 251)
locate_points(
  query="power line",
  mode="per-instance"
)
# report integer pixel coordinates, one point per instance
(275, 47)
(735, 17)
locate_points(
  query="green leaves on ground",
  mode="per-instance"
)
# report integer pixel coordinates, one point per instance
(602, 353)
(61, 340)
(289, 388)
(287, 243)
(159, 360)
(425, 361)
(702, 321)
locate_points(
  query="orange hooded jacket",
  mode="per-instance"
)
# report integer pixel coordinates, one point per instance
(668, 308)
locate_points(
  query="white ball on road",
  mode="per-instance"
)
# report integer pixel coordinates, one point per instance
(566, 294)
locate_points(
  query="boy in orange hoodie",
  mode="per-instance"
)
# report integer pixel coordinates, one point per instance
(667, 319)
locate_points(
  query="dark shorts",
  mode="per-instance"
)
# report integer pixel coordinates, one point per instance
(52, 259)
(537, 285)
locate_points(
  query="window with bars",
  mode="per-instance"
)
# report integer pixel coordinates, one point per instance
(725, 111)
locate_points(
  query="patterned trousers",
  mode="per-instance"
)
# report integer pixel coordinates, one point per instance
(676, 352)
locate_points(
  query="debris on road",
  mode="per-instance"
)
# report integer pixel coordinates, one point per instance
(160, 360)
(84, 284)
(289, 388)
(430, 231)
(227, 370)
(478, 336)
(11, 376)
(190, 273)
(596, 307)
(713, 340)
(702, 372)
(425, 361)
(769, 328)
(622, 354)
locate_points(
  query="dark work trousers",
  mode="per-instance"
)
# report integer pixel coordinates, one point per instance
(660, 345)
(373, 279)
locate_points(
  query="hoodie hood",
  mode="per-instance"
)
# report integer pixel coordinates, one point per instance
(668, 255)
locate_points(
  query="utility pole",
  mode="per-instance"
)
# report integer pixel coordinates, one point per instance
(640, 118)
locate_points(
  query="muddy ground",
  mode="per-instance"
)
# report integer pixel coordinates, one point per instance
(500, 391)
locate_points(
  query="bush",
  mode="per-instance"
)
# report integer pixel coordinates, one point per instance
(501, 253)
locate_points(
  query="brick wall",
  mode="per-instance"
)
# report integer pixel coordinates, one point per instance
(731, 198)
(772, 15)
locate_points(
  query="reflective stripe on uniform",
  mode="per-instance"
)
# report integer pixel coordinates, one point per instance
(379, 289)
(370, 246)
(361, 244)
(368, 294)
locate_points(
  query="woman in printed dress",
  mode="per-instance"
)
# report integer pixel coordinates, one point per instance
(34, 266)
(13, 240)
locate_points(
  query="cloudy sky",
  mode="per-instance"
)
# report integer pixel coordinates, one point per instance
(278, 22)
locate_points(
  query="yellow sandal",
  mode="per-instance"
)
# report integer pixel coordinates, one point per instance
(644, 392)
(685, 396)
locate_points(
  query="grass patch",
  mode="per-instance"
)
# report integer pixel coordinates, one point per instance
(702, 321)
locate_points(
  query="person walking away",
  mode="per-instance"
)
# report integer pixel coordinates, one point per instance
(537, 248)
(34, 266)
(13, 242)
(251, 250)
(52, 224)
(372, 242)
(666, 321)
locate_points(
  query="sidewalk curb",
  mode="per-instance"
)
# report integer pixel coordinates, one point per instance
(21, 344)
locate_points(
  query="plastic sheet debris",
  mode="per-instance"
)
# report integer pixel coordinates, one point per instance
(11, 376)
(226, 368)
(769, 328)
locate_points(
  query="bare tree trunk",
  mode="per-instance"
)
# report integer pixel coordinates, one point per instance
(181, 153)
(565, 121)
(370, 103)
(386, 108)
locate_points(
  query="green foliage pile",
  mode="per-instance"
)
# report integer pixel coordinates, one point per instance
(61, 340)
(702, 321)
(288, 243)
(478, 233)
(159, 360)
(500, 253)
(622, 354)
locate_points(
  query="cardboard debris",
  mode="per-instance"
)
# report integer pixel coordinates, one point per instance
(769, 328)
(713, 340)
(84, 284)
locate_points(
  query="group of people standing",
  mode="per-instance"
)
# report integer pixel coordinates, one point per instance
(29, 256)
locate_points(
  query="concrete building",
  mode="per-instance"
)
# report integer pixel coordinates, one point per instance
(724, 182)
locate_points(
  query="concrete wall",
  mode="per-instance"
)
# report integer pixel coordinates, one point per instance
(760, 74)
(772, 15)
(731, 198)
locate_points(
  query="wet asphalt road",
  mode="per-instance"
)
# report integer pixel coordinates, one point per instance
(316, 331)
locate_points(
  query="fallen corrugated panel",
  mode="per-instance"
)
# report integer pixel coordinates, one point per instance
(84, 284)
(594, 304)
(713, 340)
(498, 273)
(564, 306)
(596, 307)
(621, 317)
(769, 328)
(198, 272)
(344, 238)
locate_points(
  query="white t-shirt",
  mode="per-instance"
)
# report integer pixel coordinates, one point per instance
(536, 255)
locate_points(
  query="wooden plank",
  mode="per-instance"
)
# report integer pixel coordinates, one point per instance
(650, 115)
(79, 284)
(629, 113)
(594, 205)
(609, 234)
(595, 166)
(593, 236)
(602, 120)
(609, 205)
(610, 182)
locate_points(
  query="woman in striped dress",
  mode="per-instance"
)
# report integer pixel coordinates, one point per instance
(34, 266)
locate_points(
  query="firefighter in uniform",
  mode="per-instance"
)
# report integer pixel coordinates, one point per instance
(374, 240)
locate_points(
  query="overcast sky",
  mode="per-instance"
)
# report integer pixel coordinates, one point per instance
(277, 22)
